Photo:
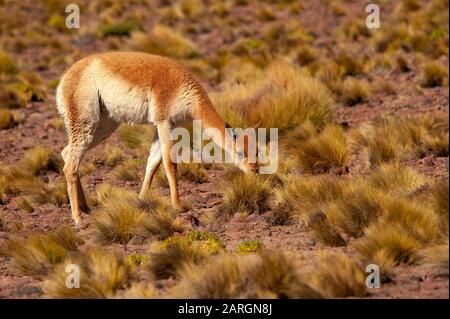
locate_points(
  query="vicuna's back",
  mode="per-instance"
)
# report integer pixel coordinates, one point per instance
(134, 87)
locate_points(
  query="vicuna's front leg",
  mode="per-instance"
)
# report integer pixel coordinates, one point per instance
(153, 162)
(169, 166)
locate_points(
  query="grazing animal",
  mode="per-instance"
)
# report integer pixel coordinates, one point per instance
(101, 91)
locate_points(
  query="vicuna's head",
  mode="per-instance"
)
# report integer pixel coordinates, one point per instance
(245, 149)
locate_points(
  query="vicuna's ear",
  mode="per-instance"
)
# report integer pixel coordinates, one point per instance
(256, 125)
(232, 130)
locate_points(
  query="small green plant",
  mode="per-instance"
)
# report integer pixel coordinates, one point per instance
(136, 259)
(248, 246)
(120, 29)
(58, 22)
(209, 242)
(169, 257)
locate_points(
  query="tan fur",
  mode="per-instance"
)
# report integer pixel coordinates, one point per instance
(99, 92)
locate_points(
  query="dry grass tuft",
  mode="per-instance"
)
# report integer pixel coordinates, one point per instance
(127, 171)
(396, 178)
(38, 254)
(102, 274)
(439, 202)
(323, 152)
(399, 234)
(111, 156)
(24, 204)
(245, 193)
(292, 100)
(40, 159)
(281, 97)
(220, 277)
(337, 276)
(15, 93)
(169, 257)
(269, 274)
(122, 216)
(135, 136)
(353, 91)
(3, 227)
(161, 224)
(434, 74)
(164, 41)
(280, 217)
(391, 139)
(7, 119)
(355, 210)
(323, 230)
(306, 55)
(193, 8)
(193, 172)
(436, 256)
(276, 274)
(387, 247)
(402, 64)
(118, 222)
(22, 179)
(37, 192)
(349, 66)
(303, 195)
(167, 260)
(339, 208)
(7, 64)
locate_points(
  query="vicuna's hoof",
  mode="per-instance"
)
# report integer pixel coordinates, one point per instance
(85, 209)
(181, 208)
(80, 223)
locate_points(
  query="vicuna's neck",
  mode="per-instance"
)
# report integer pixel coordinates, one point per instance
(210, 118)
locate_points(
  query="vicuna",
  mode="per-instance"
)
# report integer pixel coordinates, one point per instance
(101, 91)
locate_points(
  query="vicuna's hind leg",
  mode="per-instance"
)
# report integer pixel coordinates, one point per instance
(153, 162)
(73, 154)
(80, 194)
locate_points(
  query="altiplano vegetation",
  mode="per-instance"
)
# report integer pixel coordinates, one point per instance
(363, 149)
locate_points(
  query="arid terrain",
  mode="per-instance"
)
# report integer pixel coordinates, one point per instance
(362, 116)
